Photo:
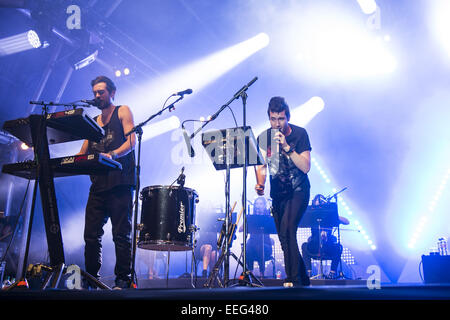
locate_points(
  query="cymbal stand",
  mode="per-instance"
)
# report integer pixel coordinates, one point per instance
(138, 130)
(320, 275)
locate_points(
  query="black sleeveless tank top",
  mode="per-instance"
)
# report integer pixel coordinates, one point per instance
(113, 139)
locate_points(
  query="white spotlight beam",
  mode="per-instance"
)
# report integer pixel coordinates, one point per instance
(427, 216)
(368, 6)
(304, 113)
(20, 42)
(160, 127)
(195, 75)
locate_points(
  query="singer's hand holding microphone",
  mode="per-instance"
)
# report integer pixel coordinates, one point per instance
(279, 138)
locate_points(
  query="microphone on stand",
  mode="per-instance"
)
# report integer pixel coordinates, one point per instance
(182, 93)
(94, 102)
(181, 178)
(187, 139)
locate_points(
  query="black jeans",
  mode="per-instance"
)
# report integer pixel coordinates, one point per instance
(115, 204)
(330, 251)
(258, 251)
(287, 214)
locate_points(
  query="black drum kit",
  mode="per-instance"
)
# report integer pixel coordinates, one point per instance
(168, 212)
(167, 218)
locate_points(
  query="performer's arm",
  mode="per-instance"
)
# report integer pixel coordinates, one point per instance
(84, 148)
(261, 172)
(126, 118)
(302, 160)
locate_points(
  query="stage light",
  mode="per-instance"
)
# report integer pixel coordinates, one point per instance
(325, 43)
(439, 23)
(424, 219)
(82, 60)
(126, 71)
(368, 6)
(304, 113)
(195, 75)
(118, 73)
(24, 146)
(20, 42)
(160, 127)
(344, 206)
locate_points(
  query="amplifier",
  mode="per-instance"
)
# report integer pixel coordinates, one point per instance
(436, 269)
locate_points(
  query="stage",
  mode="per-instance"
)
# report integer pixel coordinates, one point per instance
(272, 290)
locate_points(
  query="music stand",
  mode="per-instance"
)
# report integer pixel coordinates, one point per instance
(323, 217)
(261, 224)
(229, 149)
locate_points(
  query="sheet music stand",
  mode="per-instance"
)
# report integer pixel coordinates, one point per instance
(261, 224)
(229, 149)
(323, 217)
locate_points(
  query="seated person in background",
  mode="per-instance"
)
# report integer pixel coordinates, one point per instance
(206, 250)
(259, 245)
(149, 258)
(330, 249)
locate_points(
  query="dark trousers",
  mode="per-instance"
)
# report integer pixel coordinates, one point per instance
(329, 251)
(259, 252)
(287, 214)
(115, 204)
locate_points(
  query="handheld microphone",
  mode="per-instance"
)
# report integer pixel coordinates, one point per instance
(188, 142)
(278, 147)
(182, 93)
(94, 102)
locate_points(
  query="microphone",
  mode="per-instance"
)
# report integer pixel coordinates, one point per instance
(181, 178)
(188, 143)
(278, 149)
(94, 102)
(182, 93)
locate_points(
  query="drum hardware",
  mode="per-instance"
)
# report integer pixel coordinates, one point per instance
(244, 138)
(226, 244)
(323, 214)
(164, 210)
(139, 132)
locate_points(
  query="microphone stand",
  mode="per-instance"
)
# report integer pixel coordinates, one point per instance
(241, 93)
(73, 105)
(138, 130)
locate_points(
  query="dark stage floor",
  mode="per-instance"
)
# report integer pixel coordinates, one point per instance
(179, 300)
(182, 289)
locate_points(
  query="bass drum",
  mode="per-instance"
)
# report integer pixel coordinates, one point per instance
(167, 218)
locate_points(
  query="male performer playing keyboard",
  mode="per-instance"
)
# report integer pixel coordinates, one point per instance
(110, 195)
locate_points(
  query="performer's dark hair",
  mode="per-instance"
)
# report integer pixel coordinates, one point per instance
(110, 86)
(278, 104)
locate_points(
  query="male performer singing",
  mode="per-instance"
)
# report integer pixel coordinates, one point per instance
(110, 195)
(289, 162)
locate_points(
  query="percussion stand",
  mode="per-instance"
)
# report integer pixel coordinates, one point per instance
(226, 251)
(138, 130)
(320, 275)
(246, 277)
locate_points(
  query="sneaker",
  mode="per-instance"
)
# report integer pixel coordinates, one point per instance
(122, 284)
